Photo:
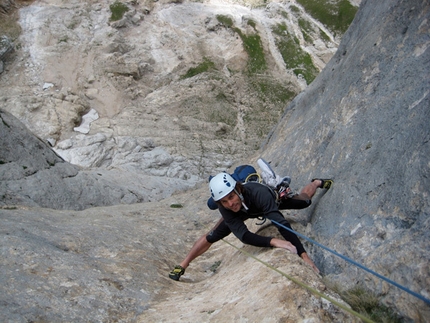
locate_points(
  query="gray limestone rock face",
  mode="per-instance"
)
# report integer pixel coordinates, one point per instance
(6, 48)
(365, 123)
(96, 252)
(111, 264)
(32, 174)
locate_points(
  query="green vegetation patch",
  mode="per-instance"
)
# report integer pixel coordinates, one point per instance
(251, 23)
(204, 66)
(63, 39)
(118, 9)
(306, 28)
(367, 304)
(295, 9)
(337, 15)
(324, 36)
(294, 57)
(225, 20)
(215, 266)
(269, 91)
(251, 43)
(254, 48)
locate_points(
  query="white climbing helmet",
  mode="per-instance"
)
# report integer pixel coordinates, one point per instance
(221, 185)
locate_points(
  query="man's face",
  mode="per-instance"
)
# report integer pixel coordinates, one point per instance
(232, 202)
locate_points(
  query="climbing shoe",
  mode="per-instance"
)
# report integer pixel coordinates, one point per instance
(177, 272)
(326, 183)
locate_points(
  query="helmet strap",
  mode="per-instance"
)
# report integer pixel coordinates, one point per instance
(242, 199)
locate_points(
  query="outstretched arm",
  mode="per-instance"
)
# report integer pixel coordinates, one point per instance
(199, 247)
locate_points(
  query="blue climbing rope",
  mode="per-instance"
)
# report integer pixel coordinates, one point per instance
(355, 263)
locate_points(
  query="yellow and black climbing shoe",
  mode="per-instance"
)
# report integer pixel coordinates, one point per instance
(326, 183)
(177, 272)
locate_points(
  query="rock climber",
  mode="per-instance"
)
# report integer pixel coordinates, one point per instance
(238, 202)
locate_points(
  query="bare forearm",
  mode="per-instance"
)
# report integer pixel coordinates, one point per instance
(199, 247)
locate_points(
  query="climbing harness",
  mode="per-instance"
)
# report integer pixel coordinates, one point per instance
(262, 219)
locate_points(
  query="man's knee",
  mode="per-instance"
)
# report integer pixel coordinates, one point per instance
(211, 237)
(306, 203)
(217, 234)
(302, 196)
(298, 201)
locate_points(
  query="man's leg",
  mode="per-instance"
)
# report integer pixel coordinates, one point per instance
(311, 188)
(304, 198)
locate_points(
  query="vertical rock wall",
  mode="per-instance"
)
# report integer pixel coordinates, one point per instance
(365, 123)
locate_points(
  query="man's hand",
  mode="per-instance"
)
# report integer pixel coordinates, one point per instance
(309, 261)
(278, 243)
